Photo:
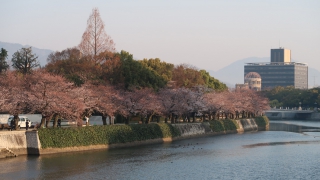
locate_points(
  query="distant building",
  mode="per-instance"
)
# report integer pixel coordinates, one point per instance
(253, 79)
(280, 71)
(242, 86)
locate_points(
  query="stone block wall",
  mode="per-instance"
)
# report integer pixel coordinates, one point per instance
(20, 142)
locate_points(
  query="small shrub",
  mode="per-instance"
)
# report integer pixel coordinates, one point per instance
(262, 121)
(223, 125)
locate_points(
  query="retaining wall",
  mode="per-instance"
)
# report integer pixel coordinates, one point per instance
(20, 142)
(27, 142)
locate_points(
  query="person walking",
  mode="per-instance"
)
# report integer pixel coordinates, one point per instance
(27, 125)
(87, 120)
(12, 124)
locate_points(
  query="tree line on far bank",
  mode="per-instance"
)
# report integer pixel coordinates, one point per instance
(93, 78)
(289, 97)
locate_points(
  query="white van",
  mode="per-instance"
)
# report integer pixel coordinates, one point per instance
(22, 121)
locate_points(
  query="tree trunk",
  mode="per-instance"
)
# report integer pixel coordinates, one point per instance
(48, 119)
(16, 122)
(43, 121)
(104, 120)
(166, 120)
(127, 120)
(55, 121)
(172, 119)
(193, 117)
(147, 119)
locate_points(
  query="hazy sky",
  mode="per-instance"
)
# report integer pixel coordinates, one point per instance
(209, 34)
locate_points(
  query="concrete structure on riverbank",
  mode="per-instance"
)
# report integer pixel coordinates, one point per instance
(27, 142)
(19, 142)
(285, 114)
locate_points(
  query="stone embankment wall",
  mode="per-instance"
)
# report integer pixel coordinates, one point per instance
(27, 142)
(196, 129)
(20, 142)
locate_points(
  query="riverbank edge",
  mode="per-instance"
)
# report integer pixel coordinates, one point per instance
(31, 150)
(131, 144)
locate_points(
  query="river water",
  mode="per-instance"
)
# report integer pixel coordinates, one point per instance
(273, 154)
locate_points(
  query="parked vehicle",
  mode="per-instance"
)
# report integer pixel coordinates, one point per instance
(22, 122)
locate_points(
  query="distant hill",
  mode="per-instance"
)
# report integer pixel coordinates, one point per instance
(14, 47)
(234, 73)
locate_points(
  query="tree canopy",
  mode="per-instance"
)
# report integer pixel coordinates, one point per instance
(136, 75)
(95, 39)
(161, 68)
(24, 60)
(291, 97)
(3, 57)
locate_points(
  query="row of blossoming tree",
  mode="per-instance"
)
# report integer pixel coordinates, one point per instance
(53, 97)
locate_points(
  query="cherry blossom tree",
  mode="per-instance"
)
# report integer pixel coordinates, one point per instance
(105, 98)
(50, 95)
(174, 103)
(14, 98)
(149, 104)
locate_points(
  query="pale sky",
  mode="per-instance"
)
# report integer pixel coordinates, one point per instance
(209, 34)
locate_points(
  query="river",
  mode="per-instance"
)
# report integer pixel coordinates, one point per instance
(273, 154)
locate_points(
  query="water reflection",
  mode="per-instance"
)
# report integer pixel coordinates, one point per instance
(290, 153)
(279, 143)
(278, 126)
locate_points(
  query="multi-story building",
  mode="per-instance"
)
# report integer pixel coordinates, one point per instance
(280, 71)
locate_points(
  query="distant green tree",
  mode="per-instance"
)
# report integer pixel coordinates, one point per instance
(211, 82)
(136, 75)
(3, 63)
(162, 68)
(275, 103)
(291, 97)
(24, 60)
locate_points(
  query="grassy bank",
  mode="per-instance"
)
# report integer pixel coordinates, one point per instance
(94, 135)
(106, 135)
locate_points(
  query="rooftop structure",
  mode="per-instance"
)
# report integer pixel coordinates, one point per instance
(280, 55)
